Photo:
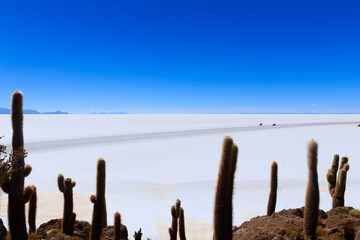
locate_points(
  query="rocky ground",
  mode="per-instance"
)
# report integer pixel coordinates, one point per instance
(336, 224)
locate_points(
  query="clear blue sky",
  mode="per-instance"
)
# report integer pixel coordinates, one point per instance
(182, 56)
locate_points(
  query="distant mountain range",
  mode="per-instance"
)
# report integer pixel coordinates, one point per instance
(108, 113)
(29, 111)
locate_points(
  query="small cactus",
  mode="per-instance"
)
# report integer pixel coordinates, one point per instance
(273, 189)
(224, 191)
(99, 201)
(175, 213)
(337, 185)
(137, 235)
(311, 211)
(66, 187)
(32, 211)
(117, 225)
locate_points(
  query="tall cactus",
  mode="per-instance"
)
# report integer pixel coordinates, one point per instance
(273, 189)
(337, 185)
(99, 201)
(117, 225)
(15, 186)
(182, 225)
(223, 208)
(66, 187)
(311, 211)
(32, 211)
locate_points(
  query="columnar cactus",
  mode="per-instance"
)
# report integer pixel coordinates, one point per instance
(15, 186)
(117, 225)
(175, 213)
(311, 211)
(182, 225)
(337, 185)
(273, 189)
(66, 187)
(99, 201)
(223, 197)
(32, 211)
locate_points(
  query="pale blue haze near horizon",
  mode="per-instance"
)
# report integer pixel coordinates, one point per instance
(182, 56)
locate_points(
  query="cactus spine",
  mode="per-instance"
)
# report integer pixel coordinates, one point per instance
(15, 187)
(182, 225)
(32, 211)
(117, 225)
(311, 211)
(223, 197)
(99, 201)
(337, 186)
(273, 189)
(66, 187)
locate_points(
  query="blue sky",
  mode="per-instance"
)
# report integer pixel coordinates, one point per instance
(182, 56)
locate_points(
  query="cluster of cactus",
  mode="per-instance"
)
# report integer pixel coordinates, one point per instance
(177, 212)
(337, 185)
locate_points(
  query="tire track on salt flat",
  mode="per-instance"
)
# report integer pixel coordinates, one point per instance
(36, 146)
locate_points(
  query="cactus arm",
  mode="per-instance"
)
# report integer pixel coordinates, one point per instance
(61, 183)
(32, 211)
(6, 186)
(171, 233)
(28, 191)
(27, 170)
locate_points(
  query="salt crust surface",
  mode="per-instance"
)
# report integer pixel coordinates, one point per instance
(144, 178)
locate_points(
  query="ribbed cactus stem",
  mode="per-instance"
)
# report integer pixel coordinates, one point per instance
(16, 207)
(311, 211)
(32, 211)
(182, 225)
(99, 201)
(117, 225)
(273, 189)
(222, 215)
